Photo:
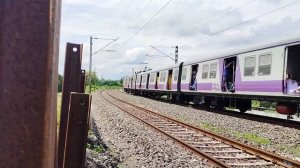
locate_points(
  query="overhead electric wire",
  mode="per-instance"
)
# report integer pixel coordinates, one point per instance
(135, 18)
(166, 55)
(249, 20)
(113, 40)
(143, 10)
(217, 17)
(148, 21)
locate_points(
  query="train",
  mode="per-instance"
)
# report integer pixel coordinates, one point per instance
(230, 79)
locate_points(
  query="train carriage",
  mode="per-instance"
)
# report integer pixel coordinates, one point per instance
(258, 73)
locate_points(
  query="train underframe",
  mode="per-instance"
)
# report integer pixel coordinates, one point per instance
(220, 101)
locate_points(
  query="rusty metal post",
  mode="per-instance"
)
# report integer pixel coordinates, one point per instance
(29, 42)
(77, 130)
(71, 84)
(90, 118)
(82, 81)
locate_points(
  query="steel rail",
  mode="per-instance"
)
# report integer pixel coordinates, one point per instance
(194, 150)
(276, 159)
(253, 117)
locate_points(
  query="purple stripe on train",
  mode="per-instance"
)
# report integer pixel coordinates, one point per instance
(174, 86)
(256, 86)
(151, 86)
(143, 86)
(200, 86)
(162, 86)
(260, 86)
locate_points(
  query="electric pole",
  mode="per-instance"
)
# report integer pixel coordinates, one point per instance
(90, 67)
(176, 54)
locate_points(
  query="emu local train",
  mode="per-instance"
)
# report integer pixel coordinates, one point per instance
(232, 79)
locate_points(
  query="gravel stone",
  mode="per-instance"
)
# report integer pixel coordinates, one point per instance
(137, 144)
(281, 140)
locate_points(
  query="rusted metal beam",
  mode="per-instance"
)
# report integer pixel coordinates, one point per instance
(71, 84)
(77, 130)
(82, 81)
(29, 42)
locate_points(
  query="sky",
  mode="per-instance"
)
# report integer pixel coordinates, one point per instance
(199, 28)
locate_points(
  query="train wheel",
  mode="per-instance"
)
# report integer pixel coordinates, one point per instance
(243, 109)
(243, 105)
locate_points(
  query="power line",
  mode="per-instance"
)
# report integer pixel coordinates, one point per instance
(217, 17)
(135, 18)
(113, 40)
(148, 21)
(166, 55)
(143, 10)
(249, 20)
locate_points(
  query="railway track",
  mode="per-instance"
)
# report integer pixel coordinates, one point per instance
(218, 150)
(248, 116)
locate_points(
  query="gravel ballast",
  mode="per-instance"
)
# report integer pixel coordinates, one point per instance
(136, 144)
(274, 138)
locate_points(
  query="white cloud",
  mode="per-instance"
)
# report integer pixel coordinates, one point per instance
(122, 18)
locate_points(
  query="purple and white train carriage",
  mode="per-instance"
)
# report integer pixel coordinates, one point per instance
(258, 73)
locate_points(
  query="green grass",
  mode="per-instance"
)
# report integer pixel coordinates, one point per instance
(209, 127)
(247, 136)
(294, 150)
(58, 107)
(253, 138)
(182, 118)
(105, 87)
(95, 148)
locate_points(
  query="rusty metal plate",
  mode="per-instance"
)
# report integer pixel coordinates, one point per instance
(71, 83)
(77, 130)
(29, 38)
(82, 81)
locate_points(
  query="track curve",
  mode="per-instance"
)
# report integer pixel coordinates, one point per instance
(218, 150)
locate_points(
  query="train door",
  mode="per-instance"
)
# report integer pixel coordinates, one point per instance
(169, 84)
(156, 80)
(140, 84)
(228, 75)
(193, 82)
(292, 68)
(148, 78)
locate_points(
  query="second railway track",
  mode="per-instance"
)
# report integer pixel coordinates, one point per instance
(218, 150)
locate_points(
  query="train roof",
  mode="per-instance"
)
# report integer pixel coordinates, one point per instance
(256, 47)
(225, 54)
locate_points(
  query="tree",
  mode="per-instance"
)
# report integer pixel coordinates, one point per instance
(59, 83)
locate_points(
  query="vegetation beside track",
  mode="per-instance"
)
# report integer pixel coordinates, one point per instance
(58, 107)
(97, 84)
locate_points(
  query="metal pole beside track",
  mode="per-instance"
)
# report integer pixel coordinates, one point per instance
(29, 42)
(82, 81)
(71, 84)
(77, 130)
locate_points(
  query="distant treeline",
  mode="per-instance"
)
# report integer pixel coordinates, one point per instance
(96, 81)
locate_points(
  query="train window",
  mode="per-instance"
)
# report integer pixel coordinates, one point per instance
(205, 68)
(249, 66)
(138, 79)
(152, 76)
(144, 79)
(213, 70)
(162, 77)
(265, 64)
(176, 75)
(184, 73)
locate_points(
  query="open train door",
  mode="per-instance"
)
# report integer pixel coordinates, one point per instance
(169, 83)
(290, 75)
(292, 60)
(228, 75)
(156, 80)
(148, 78)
